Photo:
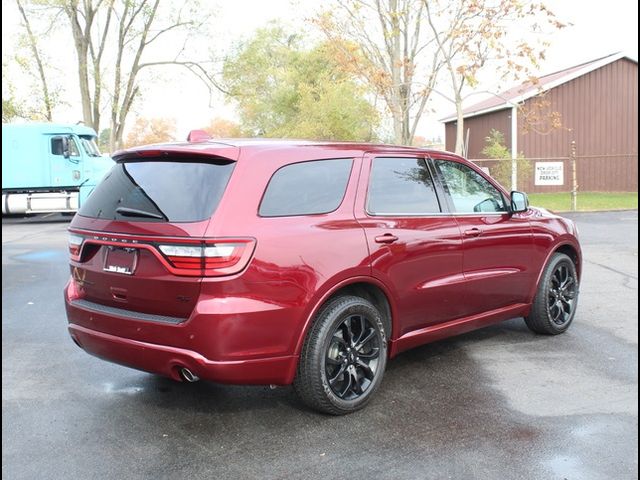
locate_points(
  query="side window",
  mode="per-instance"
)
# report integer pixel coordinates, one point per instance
(401, 186)
(306, 188)
(469, 191)
(57, 147)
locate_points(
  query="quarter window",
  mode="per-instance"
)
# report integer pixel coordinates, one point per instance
(469, 191)
(401, 186)
(306, 188)
(74, 151)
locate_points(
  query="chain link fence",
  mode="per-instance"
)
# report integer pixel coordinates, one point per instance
(593, 173)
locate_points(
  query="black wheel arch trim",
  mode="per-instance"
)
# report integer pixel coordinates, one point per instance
(336, 288)
(560, 247)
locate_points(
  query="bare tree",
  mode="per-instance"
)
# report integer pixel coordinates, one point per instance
(472, 36)
(125, 29)
(383, 43)
(33, 46)
(125, 88)
(81, 19)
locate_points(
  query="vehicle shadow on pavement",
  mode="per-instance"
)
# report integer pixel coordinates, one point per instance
(209, 397)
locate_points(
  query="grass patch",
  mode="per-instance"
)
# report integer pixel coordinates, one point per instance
(586, 201)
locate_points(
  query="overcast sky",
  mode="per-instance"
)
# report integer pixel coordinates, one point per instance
(599, 28)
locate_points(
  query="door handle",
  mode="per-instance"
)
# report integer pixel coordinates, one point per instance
(386, 238)
(473, 232)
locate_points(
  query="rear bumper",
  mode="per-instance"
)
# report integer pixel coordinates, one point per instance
(168, 361)
(245, 347)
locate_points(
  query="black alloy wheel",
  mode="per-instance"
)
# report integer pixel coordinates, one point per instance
(344, 356)
(554, 306)
(352, 357)
(562, 294)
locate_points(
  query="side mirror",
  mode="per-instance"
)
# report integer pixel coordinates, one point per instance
(65, 147)
(519, 202)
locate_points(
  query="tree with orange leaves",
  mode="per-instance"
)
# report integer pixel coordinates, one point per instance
(151, 130)
(222, 128)
(473, 36)
(383, 42)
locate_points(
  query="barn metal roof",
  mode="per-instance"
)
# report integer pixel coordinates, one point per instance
(524, 91)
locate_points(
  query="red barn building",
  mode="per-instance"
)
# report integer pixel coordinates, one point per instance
(597, 105)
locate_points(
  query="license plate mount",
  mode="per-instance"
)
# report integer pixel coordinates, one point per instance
(121, 260)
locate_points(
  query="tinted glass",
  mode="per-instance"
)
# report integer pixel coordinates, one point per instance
(166, 191)
(401, 186)
(57, 147)
(306, 188)
(469, 190)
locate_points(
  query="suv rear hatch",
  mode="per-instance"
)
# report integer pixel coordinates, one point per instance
(137, 243)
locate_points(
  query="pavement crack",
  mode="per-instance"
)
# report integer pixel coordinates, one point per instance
(627, 275)
(627, 283)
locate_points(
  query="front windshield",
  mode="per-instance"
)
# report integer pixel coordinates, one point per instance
(90, 145)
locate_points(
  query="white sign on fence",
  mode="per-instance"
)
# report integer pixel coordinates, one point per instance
(549, 173)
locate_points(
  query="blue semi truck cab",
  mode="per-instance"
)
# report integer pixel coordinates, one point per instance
(49, 167)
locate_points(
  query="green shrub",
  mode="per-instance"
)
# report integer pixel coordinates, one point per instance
(496, 149)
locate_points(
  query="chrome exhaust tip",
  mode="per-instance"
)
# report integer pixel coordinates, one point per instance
(188, 375)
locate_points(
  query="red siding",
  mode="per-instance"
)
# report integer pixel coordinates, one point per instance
(598, 110)
(478, 129)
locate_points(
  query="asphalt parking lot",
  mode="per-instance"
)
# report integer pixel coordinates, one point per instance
(497, 403)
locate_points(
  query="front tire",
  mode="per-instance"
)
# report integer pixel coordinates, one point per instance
(343, 358)
(554, 306)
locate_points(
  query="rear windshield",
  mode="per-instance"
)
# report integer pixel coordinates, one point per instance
(159, 191)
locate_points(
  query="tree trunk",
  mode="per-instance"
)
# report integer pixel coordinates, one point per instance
(81, 40)
(85, 94)
(397, 127)
(396, 77)
(407, 138)
(48, 104)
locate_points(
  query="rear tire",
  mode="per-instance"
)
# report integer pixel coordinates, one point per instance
(554, 306)
(343, 358)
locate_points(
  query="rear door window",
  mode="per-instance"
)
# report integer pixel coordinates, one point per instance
(159, 191)
(401, 186)
(306, 188)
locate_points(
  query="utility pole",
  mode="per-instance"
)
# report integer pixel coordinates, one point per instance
(514, 147)
(574, 178)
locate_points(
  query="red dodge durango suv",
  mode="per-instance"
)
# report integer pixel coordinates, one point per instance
(305, 263)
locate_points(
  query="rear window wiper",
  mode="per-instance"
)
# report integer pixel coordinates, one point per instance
(133, 212)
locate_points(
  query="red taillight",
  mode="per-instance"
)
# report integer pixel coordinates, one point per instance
(75, 245)
(223, 255)
(181, 256)
(212, 258)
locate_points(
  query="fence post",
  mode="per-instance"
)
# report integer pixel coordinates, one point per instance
(574, 178)
(514, 147)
